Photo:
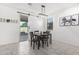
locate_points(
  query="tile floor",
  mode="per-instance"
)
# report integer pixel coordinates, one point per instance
(23, 37)
(23, 48)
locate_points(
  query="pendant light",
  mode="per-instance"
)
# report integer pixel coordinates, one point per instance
(43, 11)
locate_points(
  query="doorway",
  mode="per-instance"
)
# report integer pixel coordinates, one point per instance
(23, 28)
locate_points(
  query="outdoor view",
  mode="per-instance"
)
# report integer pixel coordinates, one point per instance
(23, 27)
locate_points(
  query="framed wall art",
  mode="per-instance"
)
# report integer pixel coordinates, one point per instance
(72, 20)
(65, 21)
(75, 19)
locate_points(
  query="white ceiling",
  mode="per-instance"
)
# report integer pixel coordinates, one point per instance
(36, 7)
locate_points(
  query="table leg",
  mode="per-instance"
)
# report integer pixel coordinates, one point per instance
(50, 39)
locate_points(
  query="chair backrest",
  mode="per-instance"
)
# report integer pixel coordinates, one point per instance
(36, 32)
(31, 34)
(48, 32)
(44, 32)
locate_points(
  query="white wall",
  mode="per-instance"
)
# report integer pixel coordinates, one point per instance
(9, 32)
(37, 23)
(67, 34)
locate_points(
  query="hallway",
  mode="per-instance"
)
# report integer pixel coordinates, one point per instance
(23, 48)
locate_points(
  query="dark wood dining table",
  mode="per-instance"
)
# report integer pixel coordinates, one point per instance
(40, 38)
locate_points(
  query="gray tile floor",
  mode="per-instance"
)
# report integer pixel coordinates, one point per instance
(23, 48)
(23, 37)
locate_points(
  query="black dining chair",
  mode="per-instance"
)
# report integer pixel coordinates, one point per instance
(44, 38)
(31, 37)
(34, 40)
(36, 31)
(48, 32)
(50, 36)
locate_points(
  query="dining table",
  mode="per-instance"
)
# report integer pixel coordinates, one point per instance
(40, 38)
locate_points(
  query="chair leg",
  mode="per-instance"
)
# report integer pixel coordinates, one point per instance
(38, 44)
(50, 39)
(47, 44)
(43, 43)
(33, 45)
(31, 42)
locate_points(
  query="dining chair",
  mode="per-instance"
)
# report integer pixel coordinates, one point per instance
(31, 37)
(36, 32)
(50, 36)
(48, 32)
(44, 39)
(34, 40)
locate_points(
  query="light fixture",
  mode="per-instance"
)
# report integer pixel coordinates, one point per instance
(43, 11)
(30, 4)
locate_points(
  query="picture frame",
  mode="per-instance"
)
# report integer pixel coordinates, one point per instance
(60, 21)
(0, 19)
(75, 19)
(65, 21)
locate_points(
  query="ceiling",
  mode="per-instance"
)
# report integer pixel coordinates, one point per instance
(36, 7)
